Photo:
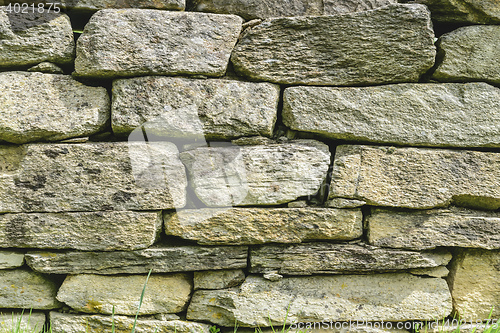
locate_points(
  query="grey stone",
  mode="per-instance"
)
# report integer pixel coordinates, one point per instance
(166, 43)
(25, 321)
(344, 203)
(327, 258)
(161, 260)
(470, 54)
(11, 259)
(388, 297)
(253, 141)
(46, 67)
(369, 47)
(64, 107)
(27, 39)
(218, 279)
(28, 290)
(416, 177)
(86, 6)
(91, 177)
(211, 109)
(121, 294)
(404, 114)
(297, 204)
(257, 175)
(88, 231)
(336, 7)
(439, 272)
(421, 230)
(236, 226)
(464, 11)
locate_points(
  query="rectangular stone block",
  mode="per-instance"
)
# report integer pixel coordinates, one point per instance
(402, 114)
(417, 178)
(11, 259)
(167, 43)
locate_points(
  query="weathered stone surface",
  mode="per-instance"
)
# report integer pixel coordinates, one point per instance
(470, 54)
(368, 47)
(388, 297)
(27, 321)
(46, 67)
(464, 11)
(28, 290)
(95, 5)
(404, 114)
(11, 259)
(344, 203)
(196, 109)
(238, 226)
(161, 260)
(166, 43)
(474, 283)
(88, 231)
(91, 177)
(30, 38)
(420, 230)
(440, 271)
(99, 293)
(257, 175)
(64, 107)
(416, 177)
(218, 279)
(314, 258)
(70, 323)
(336, 7)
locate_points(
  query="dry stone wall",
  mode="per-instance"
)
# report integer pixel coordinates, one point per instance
(329, 164)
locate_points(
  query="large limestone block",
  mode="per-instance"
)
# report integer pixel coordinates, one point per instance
(404, 114)
(420, 230)
(464, 11)
(30, 38)
(161, 260)
(91, 177)
(391, 44)
(24, 321)
(475, 284)
(194, 109)
(218, 279)
(86, 6)
(99, 293)
(91, 231)
(28, 290)
(257, 175)
(470, 54)
(416, 177)
(237, 226)
(11, 259)
(388, 297)
(63, 107)
(327, 258)
(335, 7)
(134, 42)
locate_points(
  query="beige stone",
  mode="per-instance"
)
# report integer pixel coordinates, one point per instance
(218, 279)
(11, 259)
(439, 272)
(26, 321)
(336, 7)
(464, 11)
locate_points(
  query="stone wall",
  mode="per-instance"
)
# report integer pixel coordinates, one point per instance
(319, 161)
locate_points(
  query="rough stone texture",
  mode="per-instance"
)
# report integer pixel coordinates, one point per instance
(91, 177)
(91, 231)
(70, 323)
(99, 293)
(336, 7)
(440, 271)
(27, 290)
(27, 321)
(238, 226)
(161, 260)
(218, 279)
(470, 54)
(474, 283)
(46, 67)
(11, 259)
(420, 230)
(416, 177)
(30, 38)
(344, 203)
(390, 44)
(133, 42)
(327, 258)
(388, 297)
(403, 114)
(95, 5)
(464, 11)
(194, 109)
(257, 175)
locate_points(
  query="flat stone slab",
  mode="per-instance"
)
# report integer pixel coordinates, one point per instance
(259, 302)
(168, 43)
(99, 293)
(87, 231)
(26, 321)
(363, 48)
(421, 230)
(218, 279)
(470, 54)
(161, 260)
(336, 7)
(236, 226)
(416, 178)
(464, 11)
(194, 109)
(327, 258)
(403, 114)
(11, 259)
(257, 175)
(30, 38)
(91, 177)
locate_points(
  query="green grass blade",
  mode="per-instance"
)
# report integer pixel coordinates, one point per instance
(140, 301)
